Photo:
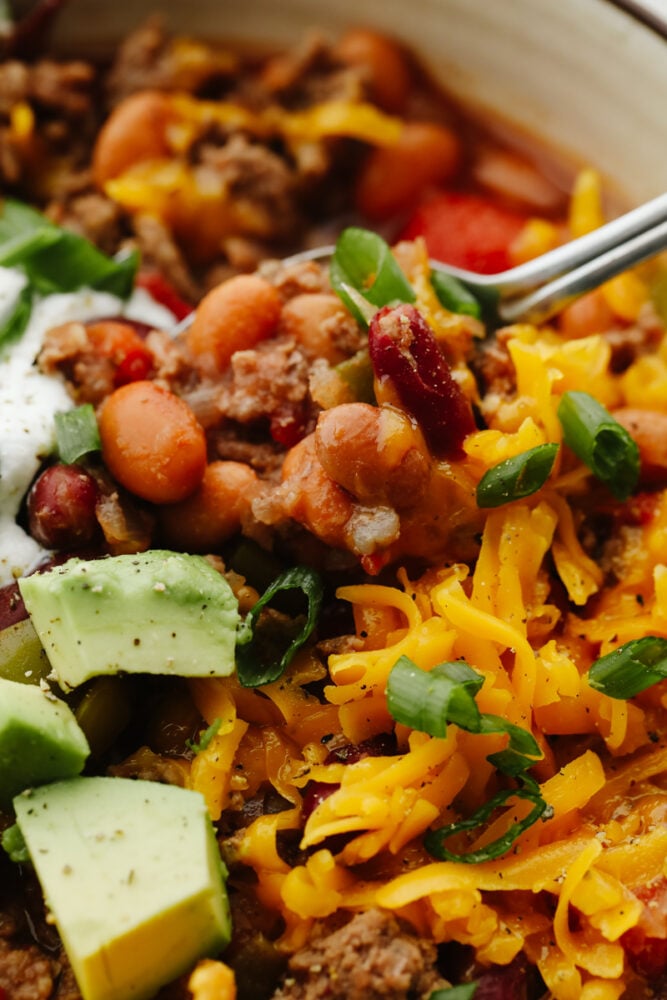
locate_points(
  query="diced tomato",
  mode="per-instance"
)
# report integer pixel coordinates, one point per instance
(288, 425)
(466, 230)
(120, 342)
(163, 293)
(135, 367)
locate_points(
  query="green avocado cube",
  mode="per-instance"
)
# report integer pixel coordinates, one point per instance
(40, 740)
(155, 612)
(133, 876)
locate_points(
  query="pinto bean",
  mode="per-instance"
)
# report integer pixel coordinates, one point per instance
(376, 453)
(213, 513)
(312, 320)
(649, 429)
(152, 442)
(234, 316)
(383, 65)
(393, 177)
(134, 132)
(312, 498)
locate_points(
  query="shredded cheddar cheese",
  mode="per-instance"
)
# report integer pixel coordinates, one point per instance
(529, 615)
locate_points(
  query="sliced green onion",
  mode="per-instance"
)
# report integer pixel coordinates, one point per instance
(633, 667)
(77, 433)
(465, 991)
(357, 373)
(454, 295)
(14, 845)
(521, 741)
(363, 265)
(257, 660)
(205, 738)
(56, 260)
(517, 477)
(529, 790)
(15, 325)
(428, 700)
(600, 442)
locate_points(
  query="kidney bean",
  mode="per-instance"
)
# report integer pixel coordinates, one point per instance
(12, 608)
(314, 794)
(380, 745)
(406, 358)
(61, 507)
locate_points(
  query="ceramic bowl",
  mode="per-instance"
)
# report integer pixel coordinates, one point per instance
(589, 77)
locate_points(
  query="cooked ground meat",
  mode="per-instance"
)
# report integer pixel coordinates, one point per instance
(263, 379)
(629, 343)
(370, 958)
(146, 59)
(26, 973)
(310, 74)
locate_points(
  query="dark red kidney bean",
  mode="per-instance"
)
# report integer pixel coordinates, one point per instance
(381, 745)
(404, 351)
(12, 608)
(314, 793)
(516, 981)
(61, 507)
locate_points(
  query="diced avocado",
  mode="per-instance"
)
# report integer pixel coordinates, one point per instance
(40, 739)
(132, 874)
(156, 612)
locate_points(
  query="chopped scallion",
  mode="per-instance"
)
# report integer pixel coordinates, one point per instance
(205, 738)
(363, 269)
(517, 477)
(15, 324)
(529, 790)
(54, 260)
(465, 991)
(261, 656)
(600, 442)
(14, 845)
(77, 433)
(453, 295)
(633, 667)
(428, 700)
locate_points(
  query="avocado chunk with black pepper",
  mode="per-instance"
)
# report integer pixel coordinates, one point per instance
(156, 612)
(133, 877)
(40, 740)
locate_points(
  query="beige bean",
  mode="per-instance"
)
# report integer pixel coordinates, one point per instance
(649, 429)
(376, 453)
(214, 512)
(134, 132)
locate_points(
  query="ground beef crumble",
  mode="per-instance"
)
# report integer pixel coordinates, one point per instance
(369, 958)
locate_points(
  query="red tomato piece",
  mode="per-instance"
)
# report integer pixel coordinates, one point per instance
(121, 344)
(163, 293)
(466, 230)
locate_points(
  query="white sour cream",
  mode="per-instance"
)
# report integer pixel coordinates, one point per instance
(29, 400)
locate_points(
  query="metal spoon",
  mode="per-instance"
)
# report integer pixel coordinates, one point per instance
(540, 288)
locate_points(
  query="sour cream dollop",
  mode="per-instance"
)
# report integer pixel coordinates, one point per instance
(29, 400)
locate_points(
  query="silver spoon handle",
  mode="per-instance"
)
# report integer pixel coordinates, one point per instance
(550, 298)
